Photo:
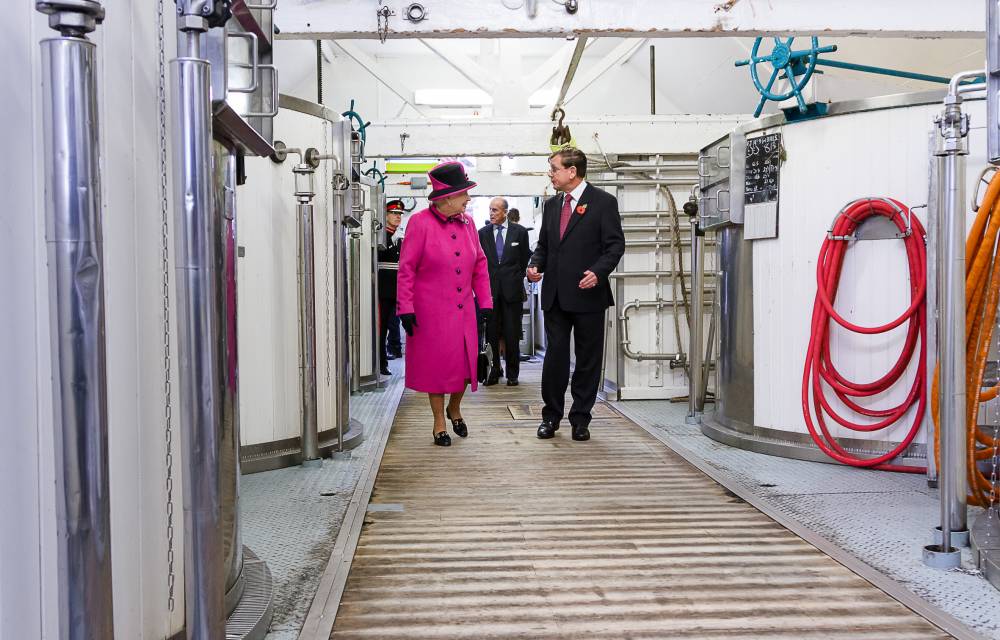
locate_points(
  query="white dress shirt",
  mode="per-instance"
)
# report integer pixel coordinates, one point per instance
(576, 194)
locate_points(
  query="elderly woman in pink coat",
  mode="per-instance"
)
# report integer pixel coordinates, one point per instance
(440, 268)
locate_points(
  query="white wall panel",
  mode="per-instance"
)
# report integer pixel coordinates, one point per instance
(127, 80)
(831, 161)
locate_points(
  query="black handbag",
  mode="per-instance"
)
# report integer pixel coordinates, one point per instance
(484, 368)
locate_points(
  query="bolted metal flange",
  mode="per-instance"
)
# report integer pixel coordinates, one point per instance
(72, 18)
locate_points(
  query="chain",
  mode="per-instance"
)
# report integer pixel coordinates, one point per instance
(161, 94)
(382, 15)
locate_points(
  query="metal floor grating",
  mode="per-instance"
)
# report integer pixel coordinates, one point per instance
(882, 519)
(506, 536)
(252, 616)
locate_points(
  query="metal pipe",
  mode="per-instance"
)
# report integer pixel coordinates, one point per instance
(682, 181)
(199, 313)
(342, 329)
(697, 318)
(623, 338)
(883, 71)
(307, 333)
(652, 274)
(953, 126)
(652, 79)
(355, 310)
(667, 242)
(377, 229)
(73, 238)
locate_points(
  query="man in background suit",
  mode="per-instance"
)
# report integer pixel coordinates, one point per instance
(505, 244)
(388, 253)
(579, 244)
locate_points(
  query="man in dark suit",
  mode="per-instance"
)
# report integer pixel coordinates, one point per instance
(579, 244)
(388, 254)
(505, 244)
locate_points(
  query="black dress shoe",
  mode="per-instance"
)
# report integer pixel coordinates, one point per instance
(385, 371)
(491, 382)
(511, 382)
(442, 439)
(581, 434)
(547, 430)
(458, 426)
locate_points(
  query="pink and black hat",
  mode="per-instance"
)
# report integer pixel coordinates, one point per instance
(448, 179)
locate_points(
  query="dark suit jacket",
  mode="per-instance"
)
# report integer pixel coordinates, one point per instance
(387, 277)
(507, 277)
(594, 241)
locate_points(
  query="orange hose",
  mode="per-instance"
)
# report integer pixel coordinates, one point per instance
(982, 294)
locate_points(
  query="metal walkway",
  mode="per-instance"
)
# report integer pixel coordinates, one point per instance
(503, 535)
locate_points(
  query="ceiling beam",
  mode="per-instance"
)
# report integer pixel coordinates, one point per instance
(340, 19)
(620, 54)
(497, 137)
(383, 75)
(466, 66)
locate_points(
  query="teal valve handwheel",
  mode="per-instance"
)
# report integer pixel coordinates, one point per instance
(798, 67)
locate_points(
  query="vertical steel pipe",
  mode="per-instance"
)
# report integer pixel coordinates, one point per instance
(952, 349)
(341, 332)
(355, 312)
(307, 334)
(696, 315)
(200, 321)
(73, 228)
(953, 126)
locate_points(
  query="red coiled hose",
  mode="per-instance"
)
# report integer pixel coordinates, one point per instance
(819, 367)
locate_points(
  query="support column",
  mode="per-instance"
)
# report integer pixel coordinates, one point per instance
(73, 238)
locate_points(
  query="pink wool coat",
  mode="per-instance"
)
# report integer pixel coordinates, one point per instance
(440, 267)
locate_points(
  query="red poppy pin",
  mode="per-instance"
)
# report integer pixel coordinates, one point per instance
(582, 209)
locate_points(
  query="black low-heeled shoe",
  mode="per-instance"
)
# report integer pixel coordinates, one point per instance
(458, 426)
(442, 439)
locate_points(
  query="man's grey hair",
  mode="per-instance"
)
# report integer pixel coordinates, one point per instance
(503, 201)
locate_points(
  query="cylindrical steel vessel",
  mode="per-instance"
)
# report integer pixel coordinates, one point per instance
(200, 315)
(79, 384)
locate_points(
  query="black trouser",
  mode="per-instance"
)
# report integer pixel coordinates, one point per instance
(505, 322)
(588, 343)
(386, 318)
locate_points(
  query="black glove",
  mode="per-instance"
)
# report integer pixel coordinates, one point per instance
(485, 315)
(409, 322)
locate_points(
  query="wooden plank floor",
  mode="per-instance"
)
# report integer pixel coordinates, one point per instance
(503, 535)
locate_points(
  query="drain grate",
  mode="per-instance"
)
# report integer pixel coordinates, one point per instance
(252, 616)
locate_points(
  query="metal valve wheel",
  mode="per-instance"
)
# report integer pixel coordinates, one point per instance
(797, 65)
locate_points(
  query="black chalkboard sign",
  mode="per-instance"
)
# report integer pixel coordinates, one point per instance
(763, 158)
